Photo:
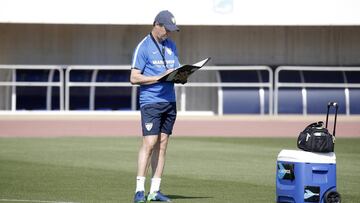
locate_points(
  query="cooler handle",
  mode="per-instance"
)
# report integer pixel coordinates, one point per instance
(330, 104)
(320, 168)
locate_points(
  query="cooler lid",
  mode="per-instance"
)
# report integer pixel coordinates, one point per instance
(307, 157)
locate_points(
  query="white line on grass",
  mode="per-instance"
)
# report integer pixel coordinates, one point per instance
(28, 200)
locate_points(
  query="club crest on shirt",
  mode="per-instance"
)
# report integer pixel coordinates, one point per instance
(168, 51)
(148, 126)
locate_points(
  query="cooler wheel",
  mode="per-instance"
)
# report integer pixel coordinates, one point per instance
(332, 197)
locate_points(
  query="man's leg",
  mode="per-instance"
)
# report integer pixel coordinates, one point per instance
(168, 118)
(157, 165)
(158, 162)
(158, 156)
(146, 149)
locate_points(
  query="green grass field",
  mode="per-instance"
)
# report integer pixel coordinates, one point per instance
(197, 169)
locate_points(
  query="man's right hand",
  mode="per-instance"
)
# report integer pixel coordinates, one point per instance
(181, 77)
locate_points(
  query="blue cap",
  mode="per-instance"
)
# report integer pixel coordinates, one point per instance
(167, 19)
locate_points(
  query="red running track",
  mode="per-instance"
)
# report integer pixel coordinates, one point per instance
(212, 126)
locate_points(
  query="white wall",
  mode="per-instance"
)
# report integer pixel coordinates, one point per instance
(187, 12)
(229, 45)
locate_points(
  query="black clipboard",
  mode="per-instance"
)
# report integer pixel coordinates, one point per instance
(185, 69)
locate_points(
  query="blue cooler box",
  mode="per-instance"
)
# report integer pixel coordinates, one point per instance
(304, 176)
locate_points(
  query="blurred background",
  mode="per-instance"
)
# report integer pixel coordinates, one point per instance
(268, 57)
(275, 65)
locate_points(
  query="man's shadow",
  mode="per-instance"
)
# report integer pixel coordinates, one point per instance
(186, 197)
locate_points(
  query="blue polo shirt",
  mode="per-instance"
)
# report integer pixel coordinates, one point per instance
(147, 58)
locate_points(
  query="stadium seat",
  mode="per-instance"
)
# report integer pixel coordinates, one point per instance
(79, 98)
(323, 76)
(80, 75)
(113, 98)
(318, 98)
(239, 76)
(31, 98)
(56, 77)
(354, 94)
(34, 98)
(32, 75)
(289, 76)
(266, 104)
(240, 100)
(354, 101)
(353, 77)
(113, 76)
(290, 101)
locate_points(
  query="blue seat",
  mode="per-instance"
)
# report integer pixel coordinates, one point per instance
(32, 75)
(113, 76)
(318, 98)
(55, 98)
(289, 76)
(31, 98)
(240, 100)
(323, 76)
(56, 77)
(34, 98)
(239, 76)
(354, 101)
(79, 98)
(113, 98)
(353, 77)
(266, 101)
(80, 75)
(290, 101)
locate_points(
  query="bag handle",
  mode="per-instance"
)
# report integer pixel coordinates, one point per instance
(330, 104)
(318, 124)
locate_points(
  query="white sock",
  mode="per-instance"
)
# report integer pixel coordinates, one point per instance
(155, 185)
(140, 183)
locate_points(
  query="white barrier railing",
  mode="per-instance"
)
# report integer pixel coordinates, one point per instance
(92, 84)
(65, 84)
(303, 84)
(261, 85)
(49, 84)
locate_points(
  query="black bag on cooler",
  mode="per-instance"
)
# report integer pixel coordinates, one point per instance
(316, 137)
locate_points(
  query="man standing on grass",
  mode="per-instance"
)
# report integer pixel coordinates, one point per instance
(155, 56)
